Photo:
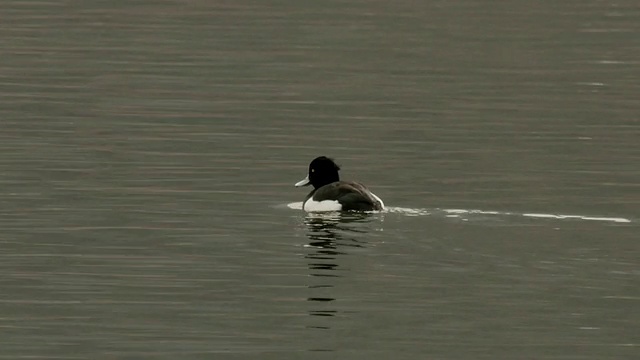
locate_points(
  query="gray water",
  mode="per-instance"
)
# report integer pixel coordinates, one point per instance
(148, 152)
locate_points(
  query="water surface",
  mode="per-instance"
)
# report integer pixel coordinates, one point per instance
(148, 152)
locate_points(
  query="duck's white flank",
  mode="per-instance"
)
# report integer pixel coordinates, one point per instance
(324, 205)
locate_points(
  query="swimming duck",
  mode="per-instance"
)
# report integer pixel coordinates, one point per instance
(331, 194)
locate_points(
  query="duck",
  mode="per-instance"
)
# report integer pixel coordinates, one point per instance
(331, 194)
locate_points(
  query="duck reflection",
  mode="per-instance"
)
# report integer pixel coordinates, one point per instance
(331, 235)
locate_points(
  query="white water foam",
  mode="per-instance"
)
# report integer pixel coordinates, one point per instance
(295, 205)
(460, 213)
(407, 211)
(592, 218)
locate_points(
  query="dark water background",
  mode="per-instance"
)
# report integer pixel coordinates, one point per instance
(148, 151)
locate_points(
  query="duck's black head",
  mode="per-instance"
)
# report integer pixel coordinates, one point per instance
(322, 171)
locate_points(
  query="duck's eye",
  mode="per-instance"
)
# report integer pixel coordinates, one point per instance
(313, 170)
